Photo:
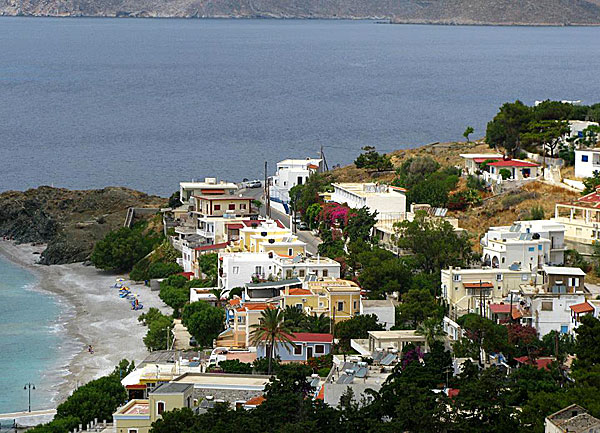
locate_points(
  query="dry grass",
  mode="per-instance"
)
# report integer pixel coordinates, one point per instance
(499, 211)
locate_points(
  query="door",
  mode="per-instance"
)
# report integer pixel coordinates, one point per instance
(309, 352)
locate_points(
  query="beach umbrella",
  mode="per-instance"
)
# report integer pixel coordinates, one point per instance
(120, 280)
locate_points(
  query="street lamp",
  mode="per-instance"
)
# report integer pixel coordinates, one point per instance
(29, 386)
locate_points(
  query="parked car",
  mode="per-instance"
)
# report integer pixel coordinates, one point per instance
(254, 184)
(302, 226)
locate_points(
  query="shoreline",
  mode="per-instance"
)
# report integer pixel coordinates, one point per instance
(91, 314)
(374, 19)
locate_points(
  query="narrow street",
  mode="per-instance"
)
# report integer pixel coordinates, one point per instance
(312, 241)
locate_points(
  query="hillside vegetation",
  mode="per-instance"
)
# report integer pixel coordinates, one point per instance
(506, 12)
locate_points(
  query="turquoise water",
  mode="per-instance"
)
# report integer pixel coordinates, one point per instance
(29, 340)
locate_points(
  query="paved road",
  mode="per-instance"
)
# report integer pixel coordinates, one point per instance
(312, 241)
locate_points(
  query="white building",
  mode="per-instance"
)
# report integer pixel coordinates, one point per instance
(473, 161)
(472, 290)
(381, 198)
(208, 187)
(302, 267)
(530, 244)
(291, 172)
(587, 161)
(385, 310)
(239, 268)
(578, 126)
(519, 170)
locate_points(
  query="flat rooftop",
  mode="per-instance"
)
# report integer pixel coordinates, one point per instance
(397, 335)
(367, 189)
(224, 381)
(139, 407)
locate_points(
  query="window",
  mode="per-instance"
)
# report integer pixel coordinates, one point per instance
(584, 158)
(503, 259)
(298, 349)
(564, 329)
(160, 407)
(531, 249)
(319, 349)
(456, 277)
(231, 206)
(547, 306)
(498, 277)
(300, 179)
(258, 269)
(301, 273)
(243, 206)
(573, 282)
(340, 306)
(132, 430)
(290, 252)
(539, 248)
(524, 277)
(236, 270)
(217, 207)
(299, 306)
(288, 273)
(325, 272)
(354, 305)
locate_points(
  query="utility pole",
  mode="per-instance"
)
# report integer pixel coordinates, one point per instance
(324, 160)
(29, 386)
(267, 195)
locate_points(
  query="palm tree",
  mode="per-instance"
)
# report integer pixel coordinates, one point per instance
(320, 324)
(269, 330)
(219, 294)
(432, 330)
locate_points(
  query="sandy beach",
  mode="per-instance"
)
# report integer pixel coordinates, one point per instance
(94, 314)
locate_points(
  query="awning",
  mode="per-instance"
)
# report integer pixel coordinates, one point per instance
(481, 285)
(584, 307)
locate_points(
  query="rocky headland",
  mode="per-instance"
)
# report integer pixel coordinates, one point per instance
(69, 222)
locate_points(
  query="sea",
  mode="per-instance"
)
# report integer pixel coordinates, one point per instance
(32, 341)
(147, 103)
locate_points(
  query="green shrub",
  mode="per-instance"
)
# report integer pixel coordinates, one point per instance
(123, 248)
(514, 198)
(505, 173)
(324, 372)
(235, 366)
(537, 213)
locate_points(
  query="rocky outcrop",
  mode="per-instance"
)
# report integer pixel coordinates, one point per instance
(69, 222)
(542, 12)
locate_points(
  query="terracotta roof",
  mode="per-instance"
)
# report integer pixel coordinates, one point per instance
(513, 163)
(187, 275)
(482, 285)
(398, 188)
(212, 247)
(540, 363)
(233, 302)
(300, 292)
(313, 166)
(255, 306)
(516, 314)
(453, 392)
(321, 394)
(235, 226)
(256, 401)
(309, 337)
(584, 307)
(500, 308)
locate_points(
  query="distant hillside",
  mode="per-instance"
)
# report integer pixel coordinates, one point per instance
(539, 12)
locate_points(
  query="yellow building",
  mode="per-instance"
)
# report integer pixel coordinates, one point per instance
(244, 316)
(336, 298)
(137, 416)
(269, 236)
